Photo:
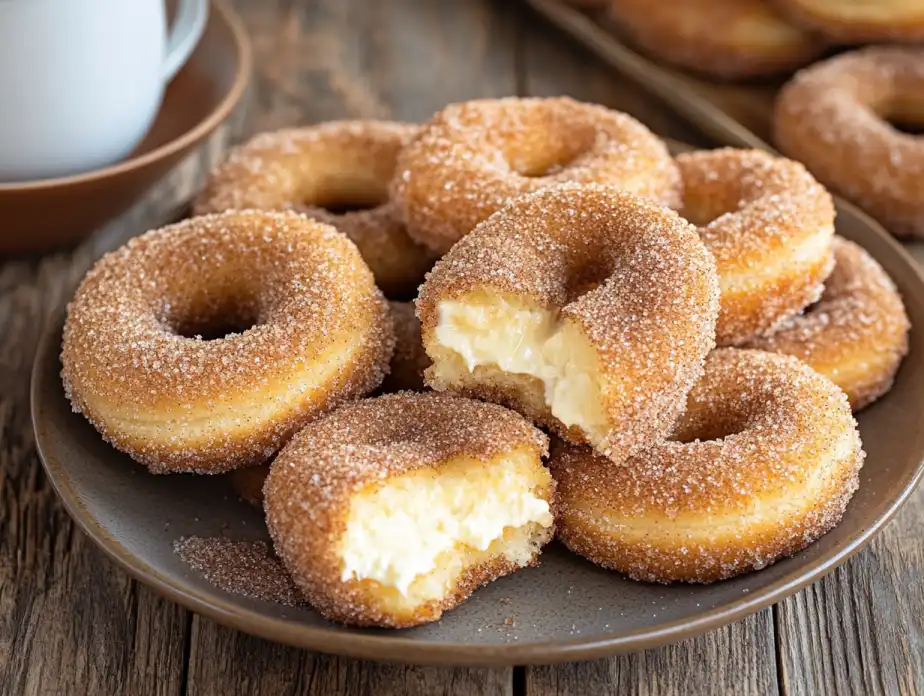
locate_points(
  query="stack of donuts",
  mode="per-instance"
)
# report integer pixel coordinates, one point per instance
(652, 358)
(854, 118)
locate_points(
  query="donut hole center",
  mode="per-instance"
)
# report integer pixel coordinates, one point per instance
(905, 113)
(708, 427)
(549, 152)
(342, 194)
(208, 314)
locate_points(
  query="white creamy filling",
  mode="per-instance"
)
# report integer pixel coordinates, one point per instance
(528, 342)
(396, 532)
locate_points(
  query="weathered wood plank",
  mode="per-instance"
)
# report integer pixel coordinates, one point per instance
(737, 659)
(224, 662)
(861, 629)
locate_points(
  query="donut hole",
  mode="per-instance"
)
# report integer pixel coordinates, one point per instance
(715, 428)
(208, 313)
(416, 535)
(905, 113)
(340, 193)
(549, 150)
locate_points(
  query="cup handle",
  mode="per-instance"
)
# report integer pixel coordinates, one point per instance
(188, 25)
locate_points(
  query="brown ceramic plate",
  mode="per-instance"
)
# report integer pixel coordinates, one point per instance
(566, 609)
(44, 214)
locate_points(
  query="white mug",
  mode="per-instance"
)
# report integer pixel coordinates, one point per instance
(81, 81)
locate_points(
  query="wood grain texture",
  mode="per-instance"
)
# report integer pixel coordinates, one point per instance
(224, 662)
(737, 659)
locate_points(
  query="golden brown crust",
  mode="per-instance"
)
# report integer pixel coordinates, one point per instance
(178, 403)
(650, 320)
(832, 116)
(409, 359)
(474, 157)
(859, 22)
(857, 334)
(775, 467)
(333, 164)
(724, 39)
(313, 479)
(759, 215)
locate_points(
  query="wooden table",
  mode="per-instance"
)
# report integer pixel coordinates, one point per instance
(71, 623)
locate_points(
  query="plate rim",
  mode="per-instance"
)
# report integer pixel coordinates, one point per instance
(392, 647)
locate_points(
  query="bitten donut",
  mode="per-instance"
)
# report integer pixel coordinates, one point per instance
(857, 334)
(392, 510)
(474, 157)
(341, 166)
(859, 22)
(406, 373)
(763, 463)
(725, 39)
(769, 225)
(834, 117)
(587, 309)
(138, 364)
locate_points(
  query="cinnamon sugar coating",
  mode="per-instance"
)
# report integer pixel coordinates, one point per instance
(834, 116)
(769, 225)
(763, 463)
(857, 334)
(859, 22)
(135, 362)
(338, 164)
(724, 39)
(364, 443)
(474, 157)
(632, 276)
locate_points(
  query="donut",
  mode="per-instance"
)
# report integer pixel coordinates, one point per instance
(834, 117)
(473, 158)
(410, 360)
(408, 363)
(769, 225)
(393, 510)
(338, 173)
(157, 353)
(856, 335)
(587, 309)
(763, 463)
(859, 22)
(723, 39)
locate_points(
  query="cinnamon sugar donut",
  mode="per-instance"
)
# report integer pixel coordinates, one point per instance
(834, 117)
(763, 463)
(137, 362)
(392, 510)
(335, 165)
(769, 225)
(588, 309)
(857, 334)
(473, 158)
(859, 22)
(725, 39)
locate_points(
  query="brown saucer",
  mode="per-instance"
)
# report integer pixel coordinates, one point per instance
(566, 609)
(36, 216)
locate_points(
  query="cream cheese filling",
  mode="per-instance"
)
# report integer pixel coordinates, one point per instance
(514, 339)
(397, 530)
